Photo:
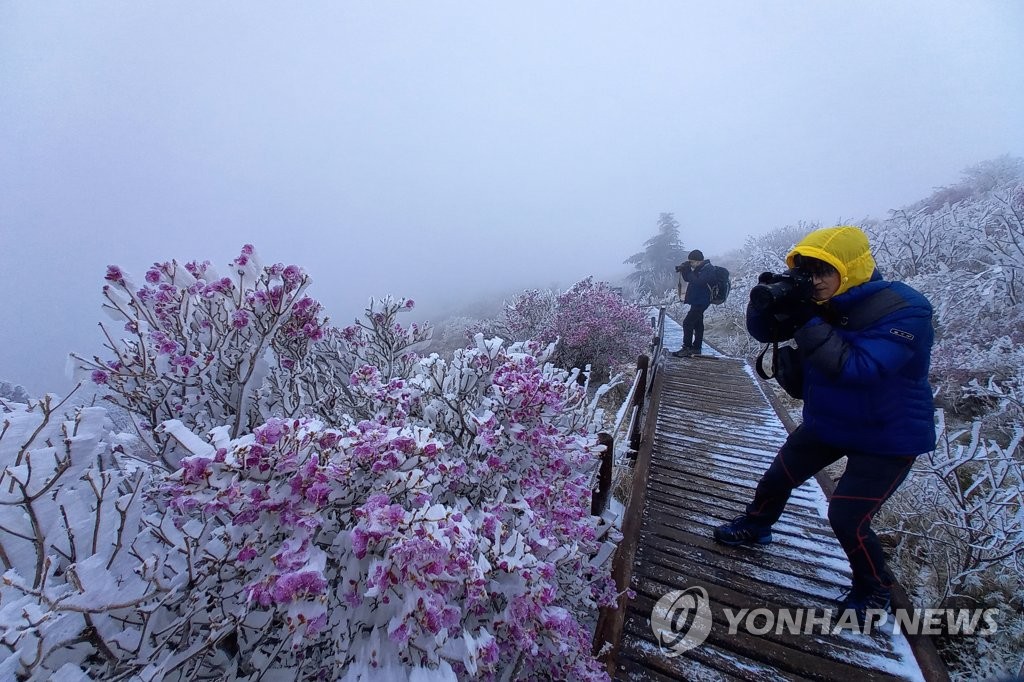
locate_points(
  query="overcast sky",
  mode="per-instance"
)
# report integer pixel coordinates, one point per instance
(440, 149)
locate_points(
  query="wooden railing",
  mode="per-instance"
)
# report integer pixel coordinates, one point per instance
(634, 405)
(642, 405)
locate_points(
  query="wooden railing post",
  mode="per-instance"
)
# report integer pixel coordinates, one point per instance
(599, 501)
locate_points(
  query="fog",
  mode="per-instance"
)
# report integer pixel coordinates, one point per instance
(451, 150)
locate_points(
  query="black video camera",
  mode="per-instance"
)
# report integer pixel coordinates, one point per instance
(778, 292)
(683, 267)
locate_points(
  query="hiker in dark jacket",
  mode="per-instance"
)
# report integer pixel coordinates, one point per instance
(861, 366)
(698, 275)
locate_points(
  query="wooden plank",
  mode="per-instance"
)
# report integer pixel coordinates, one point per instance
(665, 535)
(643, 659)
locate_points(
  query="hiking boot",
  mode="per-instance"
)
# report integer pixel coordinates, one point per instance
(743, 531)
(683, 352)
(861, 599)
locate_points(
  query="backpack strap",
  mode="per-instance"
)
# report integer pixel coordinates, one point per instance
(873, 309)
(759, 365)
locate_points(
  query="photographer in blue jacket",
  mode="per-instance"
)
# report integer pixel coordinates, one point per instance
(861, 367)
(698, 275)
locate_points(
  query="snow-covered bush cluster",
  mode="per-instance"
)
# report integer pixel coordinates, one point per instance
(958, 530)
(74, 556)
(591, 325)
(339, 508)
(964, 249)
(197, 347)
(597, 326)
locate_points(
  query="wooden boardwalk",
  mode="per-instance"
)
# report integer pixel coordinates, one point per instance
(714, 435)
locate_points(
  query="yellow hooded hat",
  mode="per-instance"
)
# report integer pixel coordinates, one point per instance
(845, 248)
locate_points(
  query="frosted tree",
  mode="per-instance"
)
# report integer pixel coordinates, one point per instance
(654, 273)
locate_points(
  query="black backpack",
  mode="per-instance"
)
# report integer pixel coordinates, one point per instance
(719, 285)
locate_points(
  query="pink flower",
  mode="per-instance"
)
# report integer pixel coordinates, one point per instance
(360, 541)
(313, 331)
(271, 432)
(99, 376)
(197, 269)
(114, 275)
(318, 493)
(239, 319)
(195, 469)
(316, 625)
(247, 554)
(395, 514)
(399, 635)
(290, 586)
(276, 295)
(184, 362)
(292, 275)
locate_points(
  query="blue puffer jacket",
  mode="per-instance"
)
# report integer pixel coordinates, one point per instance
(866, 389)
(698, 289)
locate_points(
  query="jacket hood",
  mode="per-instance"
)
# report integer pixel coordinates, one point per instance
(845, 248)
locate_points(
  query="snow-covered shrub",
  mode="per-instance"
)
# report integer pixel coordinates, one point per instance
(456, 332)
(977, 525)
(529, 315)
(316, 380)
(411, 515)
(70, 525)
(591, 323)
(194, 345)
(450, 531)
(959, 527)
(13, 392)
(964, 249)
(596, 326)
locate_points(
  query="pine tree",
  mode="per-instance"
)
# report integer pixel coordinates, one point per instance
(655, 265)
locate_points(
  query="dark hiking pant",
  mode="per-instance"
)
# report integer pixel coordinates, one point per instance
(693, 327)
(869, 480)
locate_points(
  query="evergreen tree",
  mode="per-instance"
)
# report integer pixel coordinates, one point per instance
(656, 264)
